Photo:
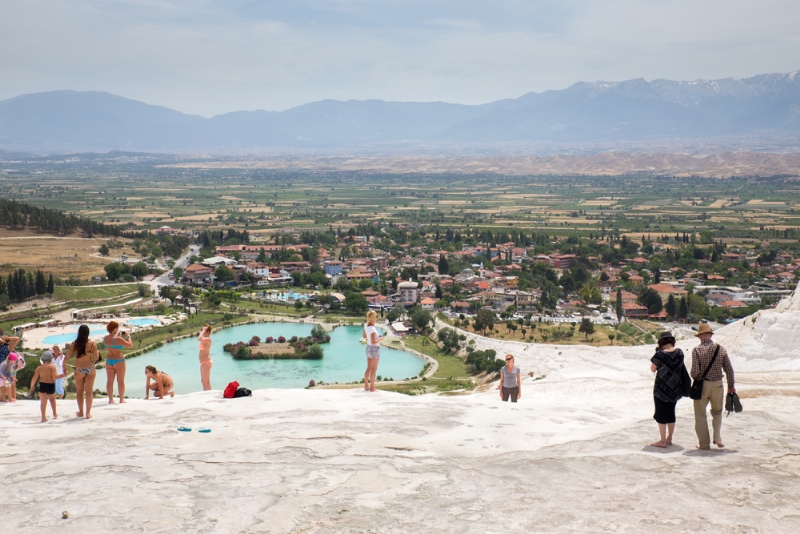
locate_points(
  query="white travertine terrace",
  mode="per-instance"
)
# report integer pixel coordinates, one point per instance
(571, 456)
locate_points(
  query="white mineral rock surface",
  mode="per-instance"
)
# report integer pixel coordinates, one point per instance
(571, 456)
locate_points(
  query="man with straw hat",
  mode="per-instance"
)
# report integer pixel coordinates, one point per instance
(708, 361)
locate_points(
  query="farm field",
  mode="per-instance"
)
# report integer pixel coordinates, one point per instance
(64, 256)
(269, 201)
(93, 292)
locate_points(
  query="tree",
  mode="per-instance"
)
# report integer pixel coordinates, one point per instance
(139, 269)
(444, 267)
(115, 270)
(144, 290)
(672, 306)
(41, 283)
(651, 299)
(590, 293)
(586, 327)
(178, 272)
(611, 337)
(449, 339)
(484, 320)
(356, 303)
(420, 318)
(104, 251)
(298, 305)
(223, 273)
(395, 313)
(165, 292)
(51, 285)
(314, 352)
(618, 305)
(683, 308)
(262, 256)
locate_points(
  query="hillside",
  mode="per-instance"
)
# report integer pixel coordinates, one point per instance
(765, 107)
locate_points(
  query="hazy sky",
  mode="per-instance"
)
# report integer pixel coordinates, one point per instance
(209, 57)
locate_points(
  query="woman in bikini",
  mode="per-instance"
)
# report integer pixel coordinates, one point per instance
(86, 357)
(115, 341)
(205, 356)
(162, 383)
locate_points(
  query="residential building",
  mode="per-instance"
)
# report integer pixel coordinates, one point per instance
(665, 290)
(332, 267)
(408, 293)
(198, 273)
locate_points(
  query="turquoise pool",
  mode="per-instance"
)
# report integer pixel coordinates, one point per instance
(71, 332)
(344, 361)
(143, 321)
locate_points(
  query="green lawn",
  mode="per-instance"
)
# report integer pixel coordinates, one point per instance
(90, 292)
(449, 366)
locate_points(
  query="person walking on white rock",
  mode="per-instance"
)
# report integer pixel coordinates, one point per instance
(668, 365)
(511, 385)
(373, 351)
(709, 360)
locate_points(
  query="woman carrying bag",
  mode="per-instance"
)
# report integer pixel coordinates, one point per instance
(668, 365)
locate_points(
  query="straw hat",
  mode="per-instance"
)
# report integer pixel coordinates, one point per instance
(703, 329)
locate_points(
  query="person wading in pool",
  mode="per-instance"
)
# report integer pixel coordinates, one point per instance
(115, 341)
(86, 357)
(205, 356)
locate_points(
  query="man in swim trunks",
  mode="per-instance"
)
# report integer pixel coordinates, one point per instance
(46, 374)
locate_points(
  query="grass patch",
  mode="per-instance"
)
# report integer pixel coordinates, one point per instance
(449, 366)
(90, 292)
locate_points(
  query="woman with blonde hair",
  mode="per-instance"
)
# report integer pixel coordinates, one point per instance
(373, 351)
(205, 356)
(115, 341)
(86, 357)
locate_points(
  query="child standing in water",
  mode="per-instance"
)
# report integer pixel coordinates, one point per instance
(46, 374)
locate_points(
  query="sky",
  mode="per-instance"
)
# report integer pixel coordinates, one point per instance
(208, 57)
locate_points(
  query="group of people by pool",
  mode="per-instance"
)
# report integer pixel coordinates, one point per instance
(709, 362)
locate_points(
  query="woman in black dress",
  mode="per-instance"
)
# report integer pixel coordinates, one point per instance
(668, 365)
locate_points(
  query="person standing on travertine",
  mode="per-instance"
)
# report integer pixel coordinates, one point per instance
(713, 392)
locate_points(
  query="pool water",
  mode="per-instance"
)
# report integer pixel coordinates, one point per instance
(344, 361)
(143, 321)
(71, 332)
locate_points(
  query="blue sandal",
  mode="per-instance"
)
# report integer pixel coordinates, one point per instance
(204, 430)
(184, 429)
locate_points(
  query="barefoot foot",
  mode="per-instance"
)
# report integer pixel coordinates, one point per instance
(44, 420)
(79, 414)
(122, 401)
(662, 444)
(719, 444)
(669, 442)
(88, 416)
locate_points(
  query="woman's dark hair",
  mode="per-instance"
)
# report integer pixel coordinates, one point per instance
(81, 340)
(152, 369)
(666, 341)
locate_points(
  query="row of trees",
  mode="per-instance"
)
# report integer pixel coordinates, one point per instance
(21, 285)
(22, 215)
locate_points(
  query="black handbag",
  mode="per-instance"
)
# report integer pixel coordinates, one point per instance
(686, 382)
(697, 387)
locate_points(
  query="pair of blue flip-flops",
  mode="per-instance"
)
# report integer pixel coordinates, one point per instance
(189, 429)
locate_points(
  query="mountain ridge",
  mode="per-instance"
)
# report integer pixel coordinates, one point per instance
(760, 107)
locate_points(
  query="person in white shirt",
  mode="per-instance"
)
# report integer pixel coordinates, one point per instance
(373, 351)
(59, 359)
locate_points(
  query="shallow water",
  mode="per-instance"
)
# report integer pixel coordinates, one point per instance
(71, 332)
(344, 361)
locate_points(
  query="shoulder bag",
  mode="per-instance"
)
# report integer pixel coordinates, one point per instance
(697, 387)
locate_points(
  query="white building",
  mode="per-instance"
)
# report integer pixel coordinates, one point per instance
(409, 294)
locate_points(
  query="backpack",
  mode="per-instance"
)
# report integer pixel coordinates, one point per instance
(230, 390)
(242, 392)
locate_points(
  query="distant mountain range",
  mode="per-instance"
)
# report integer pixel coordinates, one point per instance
(765, 106)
